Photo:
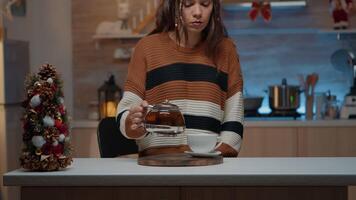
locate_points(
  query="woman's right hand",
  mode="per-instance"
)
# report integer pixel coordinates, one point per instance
(134, 121)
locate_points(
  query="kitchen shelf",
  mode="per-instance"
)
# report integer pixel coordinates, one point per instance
(97, 38)
(119, 36)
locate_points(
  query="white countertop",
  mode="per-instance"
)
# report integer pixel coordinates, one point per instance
(256, 122)
(300, 171)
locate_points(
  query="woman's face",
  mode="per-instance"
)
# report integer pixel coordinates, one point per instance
(196, 14)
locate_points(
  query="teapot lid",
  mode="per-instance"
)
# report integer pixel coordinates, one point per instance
(166, 105)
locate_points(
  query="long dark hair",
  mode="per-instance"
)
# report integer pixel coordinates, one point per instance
(168, 18)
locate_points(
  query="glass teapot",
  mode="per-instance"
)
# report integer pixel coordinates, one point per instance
(164, 119)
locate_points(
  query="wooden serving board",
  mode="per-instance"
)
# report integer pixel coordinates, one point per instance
(181, 159)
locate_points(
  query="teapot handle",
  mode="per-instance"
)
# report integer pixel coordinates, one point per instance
(146, 110)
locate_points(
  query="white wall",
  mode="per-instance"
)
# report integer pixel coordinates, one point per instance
(47, 27)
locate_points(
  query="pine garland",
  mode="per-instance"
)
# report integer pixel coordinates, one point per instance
(45, 123)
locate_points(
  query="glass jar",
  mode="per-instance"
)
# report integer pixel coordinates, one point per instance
(331, 107)
(320, 104)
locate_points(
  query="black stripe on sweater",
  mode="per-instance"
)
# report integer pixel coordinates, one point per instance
(236, 127)
(186, 72)
(203, 123)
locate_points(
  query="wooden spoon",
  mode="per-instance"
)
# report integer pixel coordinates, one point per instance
(314, 81)
(308, 84)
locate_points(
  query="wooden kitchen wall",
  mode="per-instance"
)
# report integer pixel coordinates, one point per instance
(91, 66)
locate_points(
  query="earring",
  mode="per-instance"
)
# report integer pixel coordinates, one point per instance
(176, 22)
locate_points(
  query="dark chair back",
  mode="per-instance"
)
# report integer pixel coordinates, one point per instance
(111, 142)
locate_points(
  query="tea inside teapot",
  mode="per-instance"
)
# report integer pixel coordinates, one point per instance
(165, 119)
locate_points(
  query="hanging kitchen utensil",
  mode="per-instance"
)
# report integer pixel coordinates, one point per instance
(342, 59)
(345, 60)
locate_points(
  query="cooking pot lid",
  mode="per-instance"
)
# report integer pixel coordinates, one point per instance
(285, 84)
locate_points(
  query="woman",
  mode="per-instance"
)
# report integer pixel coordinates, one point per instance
(189, 60)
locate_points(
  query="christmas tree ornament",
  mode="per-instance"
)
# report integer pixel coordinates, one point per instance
(37, 84)
(55, 143)
(62, 109)
(48, 121)
(47, 71)
(38, 141)
(50, 80)
(45, 123)
(38, 152)
(340, 12)
(61, 137)
(261, 7)
(35, 101)
(58, 123)
(61, 100)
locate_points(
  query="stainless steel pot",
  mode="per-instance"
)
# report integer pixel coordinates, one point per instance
(284, 97)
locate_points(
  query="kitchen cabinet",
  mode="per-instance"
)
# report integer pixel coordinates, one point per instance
(275, 142)
(326, 141)
(257, 193)
(299, 141)
(183, 193)
(105, 193)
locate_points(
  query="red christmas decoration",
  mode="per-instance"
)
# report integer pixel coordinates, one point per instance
(340, 12)
(263, 7)
(61, 110)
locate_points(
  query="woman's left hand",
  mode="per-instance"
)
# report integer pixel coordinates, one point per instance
(227, 151)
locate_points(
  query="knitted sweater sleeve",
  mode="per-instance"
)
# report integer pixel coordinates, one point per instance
(134, 91)
(232, 126)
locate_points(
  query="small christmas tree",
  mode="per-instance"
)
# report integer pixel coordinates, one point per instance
(46, 135)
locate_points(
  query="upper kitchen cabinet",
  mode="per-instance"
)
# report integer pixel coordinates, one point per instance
(287, 17)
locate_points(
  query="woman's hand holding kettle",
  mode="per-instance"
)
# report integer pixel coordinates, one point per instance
(134, 121)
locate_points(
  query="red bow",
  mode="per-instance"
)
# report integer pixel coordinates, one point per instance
(261, 7)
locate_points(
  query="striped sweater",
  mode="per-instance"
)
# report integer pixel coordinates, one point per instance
(208, 93)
